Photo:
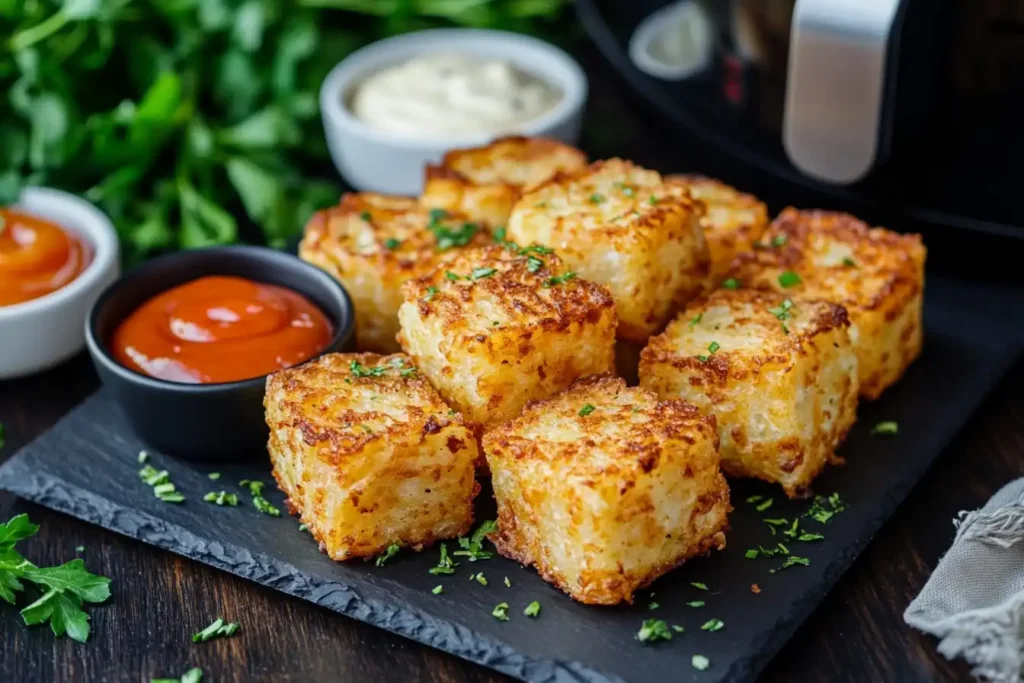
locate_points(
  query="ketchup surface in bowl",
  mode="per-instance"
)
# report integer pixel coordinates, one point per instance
(220, 329)
(37, 257)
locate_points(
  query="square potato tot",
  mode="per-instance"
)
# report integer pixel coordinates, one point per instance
(778, 374)
(733, 221)
(369, 455)
(372, 244)
(603, 488)
(621, 226)
(876, 274)
(485, 182)
(495, 327)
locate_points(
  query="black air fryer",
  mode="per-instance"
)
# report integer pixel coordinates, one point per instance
(907, 112)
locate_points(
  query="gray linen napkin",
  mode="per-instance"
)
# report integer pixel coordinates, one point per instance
(974, 600)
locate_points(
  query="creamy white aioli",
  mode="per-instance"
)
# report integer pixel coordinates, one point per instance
(451, 95)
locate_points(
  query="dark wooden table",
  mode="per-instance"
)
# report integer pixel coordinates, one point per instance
(857, 634)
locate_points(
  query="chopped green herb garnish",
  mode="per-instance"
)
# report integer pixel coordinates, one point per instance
(391, 243)
(258, 501)
(533, 264)
(731, 283)
(446, 565)
(533, 609)
(700, 662)
(789, 279)
(677, 628)
(481, 579)
(365, 215)
(696, 319)
(500, 611)
(809, 538)
(792, 561)
(849, 262)
(213, 476)
(782, 549)
(388, 554)
(764, 505)
(888, 428)
(448, 238)
(437, 215)
(783, 313)
(472, 547)
(712, 625)
(587, 409)
(819, 513)
(303, 527)
(652, 200)
(541, 205)
(712, 348)
(221, 498)
(751, 554)
(695, 603)
(560, 279)
(143, 457)
(779, 240)
(437, 590)
(449, 275)
(194, 675)
(218, 629)
(698, 585)
(431, 291)
(653, 630)
(596, 198)
(360, 370)
(772, 523)
(535, 249)
(653, 605)
(508, 583)
(754, 499)
(79, 548)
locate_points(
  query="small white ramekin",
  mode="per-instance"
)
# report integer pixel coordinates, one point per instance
(381, 161)
(38, 334)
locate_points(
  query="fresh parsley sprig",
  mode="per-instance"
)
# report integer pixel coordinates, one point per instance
(472, 547)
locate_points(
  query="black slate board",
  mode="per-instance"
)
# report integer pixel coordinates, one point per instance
(86, 466)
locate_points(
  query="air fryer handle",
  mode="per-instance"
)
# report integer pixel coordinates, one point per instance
(835, 88)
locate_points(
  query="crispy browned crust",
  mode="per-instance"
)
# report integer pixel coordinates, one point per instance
(630, 428)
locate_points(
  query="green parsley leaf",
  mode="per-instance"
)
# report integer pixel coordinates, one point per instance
(559, 279)
(532, 610)
(731, 283)
(772, 523)
(888, 428)
(712, 625)
(698, 585)
(712, 348)
(535, 249)
(365, 215)
(849, 262)
(448, 238)
(454, 277)
(214, 476)
(653, 630)
(480, 273)
(218, 629)
(437, 215)
(303, 527)
(533, 264)
(779, 240)
(500, 611)
(437, 590)
(653, 605)
(79, 548)
(789, 279)
(388, 554)
(761, 507)
(751, 554)
(360, 370)
(431, 291)
(809, 538)
(143, 457)
(652, 200)
(391, 243)
(16, 529)
(480, 578)
(446, 565)
(472, 547)
(696, 319)
(700, 662)
(258, 501)
(587, 409)
(221, 498)
(508, 583)
(792, 561)
(695, 603)
(677, 628)
(754, 499)
(596, 198)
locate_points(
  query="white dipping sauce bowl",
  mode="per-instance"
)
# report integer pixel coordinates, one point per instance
(377, 160)
(40, 333)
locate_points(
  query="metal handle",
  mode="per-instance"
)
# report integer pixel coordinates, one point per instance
(835, 86)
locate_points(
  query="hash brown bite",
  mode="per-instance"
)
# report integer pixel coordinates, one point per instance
(372, 243)
(778, 374)
(495, 327)
(621, 226)
(733, 221)
(369, 455)
(485, 182)
(603, 488)
(876, 274)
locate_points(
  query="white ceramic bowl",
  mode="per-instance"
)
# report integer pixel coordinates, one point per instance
(38, 334)
(381, 161)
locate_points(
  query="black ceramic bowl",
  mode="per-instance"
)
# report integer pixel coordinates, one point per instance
(204, 421)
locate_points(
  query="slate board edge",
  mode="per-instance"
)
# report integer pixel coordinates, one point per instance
(983, 385)
(54, 493)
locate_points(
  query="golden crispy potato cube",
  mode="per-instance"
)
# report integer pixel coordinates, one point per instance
(493, 328)
(369, 455)
(603, 488)
(372, 243)
(733, 221)
(484, 182)
(621, 226)
(778, 374)
(878, 275)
